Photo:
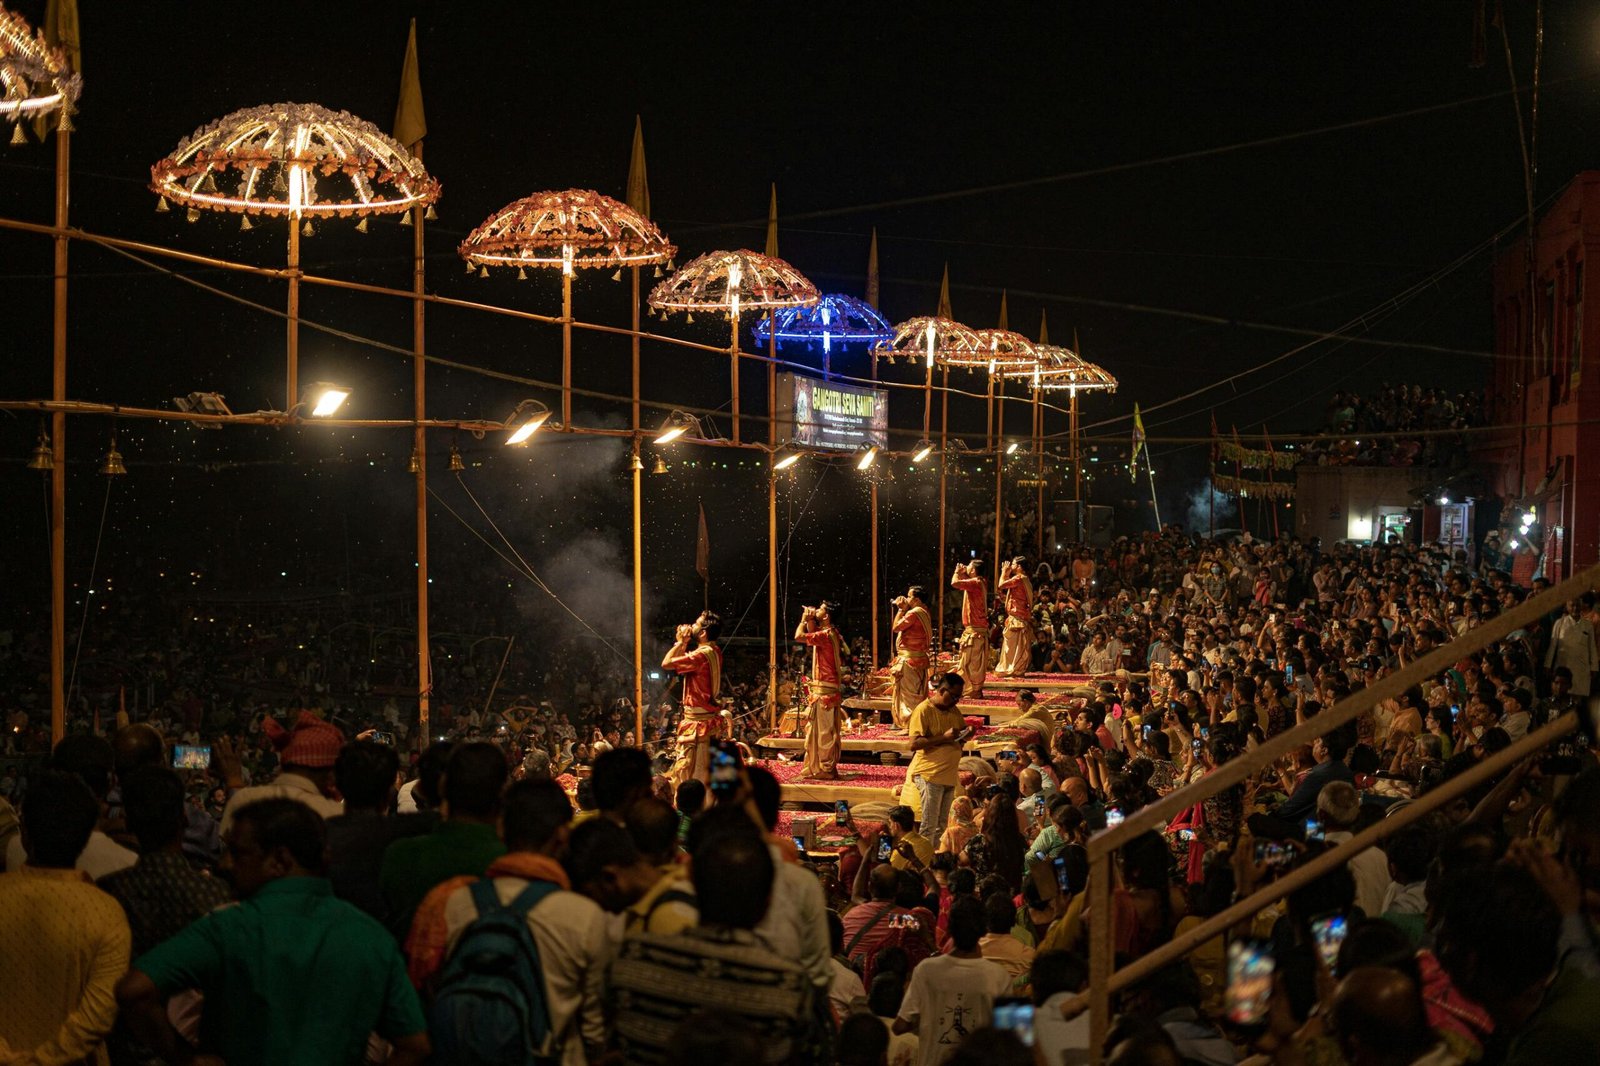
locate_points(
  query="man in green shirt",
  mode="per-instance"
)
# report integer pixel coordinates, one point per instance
(465, 843)
(291, 974)
(937, 732)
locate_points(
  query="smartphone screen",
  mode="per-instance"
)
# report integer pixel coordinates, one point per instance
(1314, 832)
(1329, 931)
(191, 757)
(799, 844)
(885, 846)
(1113, 817)
(1016, 1017)
(841, 812)
(388, 738)
(724, 768)
(1059, 864)
(1186, 834)
(1272, 853)
(1148, 730)
(1288, 673)
(1250, 970)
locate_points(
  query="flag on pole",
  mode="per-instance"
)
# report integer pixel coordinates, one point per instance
(1044, 329)
(872, 270)
(772, 223)
(702, 549)
(1138, 443)
(638, 180)
(410, 124)
(1005, 319)
(61, 31)
(944, 294)
(1076, 350)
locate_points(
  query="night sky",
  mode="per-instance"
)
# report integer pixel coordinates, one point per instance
(849, 109)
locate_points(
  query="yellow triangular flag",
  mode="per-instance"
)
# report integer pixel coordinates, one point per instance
(1044, 329)
(1005, 320)
(772, 223)
(61, 31)
(872, 270)
(410, 124)
(638, 180)
(944, 294)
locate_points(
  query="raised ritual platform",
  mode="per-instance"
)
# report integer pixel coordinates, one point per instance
(857, 783)
(879, 683)
(878, 740)
(996, 707)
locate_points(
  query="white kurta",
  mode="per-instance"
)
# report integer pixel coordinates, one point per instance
(1572, 645)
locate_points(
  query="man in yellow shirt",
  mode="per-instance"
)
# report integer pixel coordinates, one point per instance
(937, 733)
(910, 850)
(64, 941)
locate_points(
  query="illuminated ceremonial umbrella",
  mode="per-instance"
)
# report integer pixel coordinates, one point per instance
(732, 283)
(835, 319)
(296, 161)
(1000, 352)
(932, 339)
(35, 79)
(1061, 368)
(568, 229)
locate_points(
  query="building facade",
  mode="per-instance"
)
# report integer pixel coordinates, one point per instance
(1544, 393)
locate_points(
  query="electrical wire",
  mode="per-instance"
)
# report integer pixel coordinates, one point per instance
(94, 566)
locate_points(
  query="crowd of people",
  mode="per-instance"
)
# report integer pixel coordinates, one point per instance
(1374, 430)
(319, 896)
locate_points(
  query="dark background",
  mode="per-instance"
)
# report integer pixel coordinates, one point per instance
(847, 108)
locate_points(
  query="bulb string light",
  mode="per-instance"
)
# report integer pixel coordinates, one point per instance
(734, 282)
(35, 79)
(293, 160)
(569, 229)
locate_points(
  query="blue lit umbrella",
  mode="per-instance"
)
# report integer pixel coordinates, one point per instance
(835, 320)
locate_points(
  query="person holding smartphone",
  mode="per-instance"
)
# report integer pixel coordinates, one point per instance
(937, 733)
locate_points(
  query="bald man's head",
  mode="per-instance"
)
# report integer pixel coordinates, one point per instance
(884, 878)
(135, 745)
(1379, 1019)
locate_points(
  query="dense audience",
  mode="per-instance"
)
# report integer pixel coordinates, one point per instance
(325, 898)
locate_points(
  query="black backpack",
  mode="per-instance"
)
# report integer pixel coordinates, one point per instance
(490, 1009)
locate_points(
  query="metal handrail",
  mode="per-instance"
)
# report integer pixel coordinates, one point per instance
(1102, 979)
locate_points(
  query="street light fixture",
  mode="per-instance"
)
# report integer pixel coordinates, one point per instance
(324, 398)
(677, 424)
(869, 455)
(924, 449)
(525, 421)
(787, 461)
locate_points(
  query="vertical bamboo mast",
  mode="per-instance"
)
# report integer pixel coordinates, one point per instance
(419, 449)
(58, 442)
(874, 538)
(638, 540)
(772, 521)
(999, 467)
(944, 435)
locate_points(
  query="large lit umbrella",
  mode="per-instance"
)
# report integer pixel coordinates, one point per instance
(566, 230)
(35, 79)
(732, 283)
(296, 161)
(1059, 369)
(931, 339)
(835, 320)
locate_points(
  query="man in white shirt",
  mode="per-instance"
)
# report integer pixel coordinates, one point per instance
(1338, 808)
(1057, 977)
(796, 923)
(90, 759)
(306, 754)
(1572, 645)
(952, 995)
(571, 931)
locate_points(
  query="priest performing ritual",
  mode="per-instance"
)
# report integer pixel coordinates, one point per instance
(823, 693)
(1016, 649)
(913, 636)
(698, 659)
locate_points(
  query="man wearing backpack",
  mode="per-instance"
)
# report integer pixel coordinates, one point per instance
(565, 934)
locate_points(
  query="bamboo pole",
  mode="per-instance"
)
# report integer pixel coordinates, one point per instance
(292, 347)
(420, 451)
(874, 540)
(1038, 466)
(944, 462)
(733, 355)
(566, 343)
(988, 446)
(1077, 468)
(638, 540)
(999, 469)
(772, 522)
(58, 444)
